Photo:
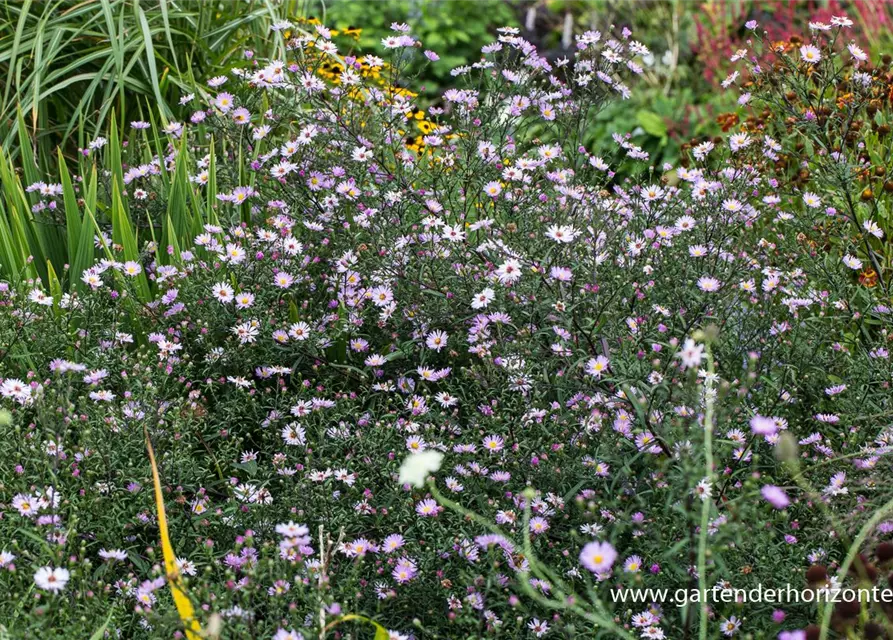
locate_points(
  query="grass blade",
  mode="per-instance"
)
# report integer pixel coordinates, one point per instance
(211, 188)
(183, 604)
(72, 211)
(123, 235)
(150, 59)
(16, 44)
(99, 634)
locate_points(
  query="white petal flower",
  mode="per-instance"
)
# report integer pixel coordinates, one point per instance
(417, 467)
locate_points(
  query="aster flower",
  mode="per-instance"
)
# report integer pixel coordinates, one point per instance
(51, 579)
(482, 299)
(632, 564)
(428, 508)
(739, 141)
(538, 525)
(703, 490)
(708, 284)
(25, 504)
(852, 262)
(811, 200)
(244, 300)
(595, 367)
(858, 54)
(598, 557)
(436, 340)
(836, 485)
(538, 627)
(810, 54)
(763, 426)
(493, 443)
(691, 354)
(730, 626)
(873, 228)
(509, 271)
(492, 189)
(392, 543)
(775, 496)
(223, 292)
(404, 571)
(562, 233)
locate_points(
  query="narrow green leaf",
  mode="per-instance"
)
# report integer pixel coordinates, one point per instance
(116, 45)
(99, 634)
(211, 188)
(85, 252)
(16, 44)
(177, 210)
(150, 58)
(26, 154)
(53, 283)
(72, 211)
(113, 153)
(13, 248)
(124, 235)
(18, 212)
(165, 18)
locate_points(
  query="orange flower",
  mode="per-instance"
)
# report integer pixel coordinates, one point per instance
(868, 278)
(727, 120)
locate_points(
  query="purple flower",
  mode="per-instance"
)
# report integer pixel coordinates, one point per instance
(775, 496)
(763, 426)
(405, 570)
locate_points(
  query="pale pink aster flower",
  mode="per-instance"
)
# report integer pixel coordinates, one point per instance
(598, 557)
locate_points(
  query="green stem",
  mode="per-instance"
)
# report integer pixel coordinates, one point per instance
(705, 506)
(867, 528)
(569, 599)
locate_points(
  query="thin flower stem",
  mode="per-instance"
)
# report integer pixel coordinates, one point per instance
(569, 600)
(705, 506)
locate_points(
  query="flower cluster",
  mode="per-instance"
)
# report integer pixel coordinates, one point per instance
(495, 378)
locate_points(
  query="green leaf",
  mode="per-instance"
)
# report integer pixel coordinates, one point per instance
(249, 467)
(25, 235)
(16, 45)
(29, 166)
(150, 59)
(53, 282)
(169, 239)
(652, 123)
(100, 632)
(113, 154)
(13, 248)
(84, 253)
(123, 234)
(72, 211)
(211, 188)
(380, 632)
(178, 211)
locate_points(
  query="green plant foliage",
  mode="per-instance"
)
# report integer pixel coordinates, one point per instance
(67, 63)
(458, 28)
